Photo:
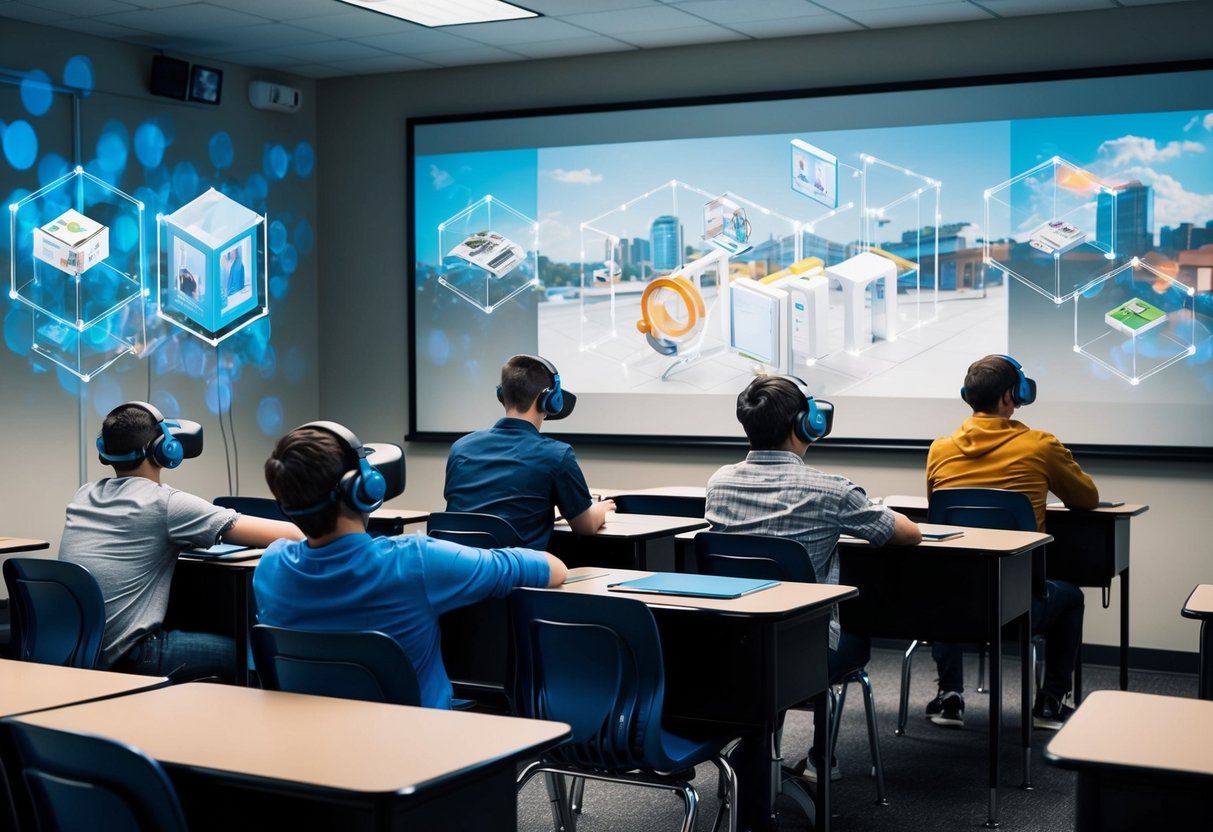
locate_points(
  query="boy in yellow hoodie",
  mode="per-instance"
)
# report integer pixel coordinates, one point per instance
(992, 450)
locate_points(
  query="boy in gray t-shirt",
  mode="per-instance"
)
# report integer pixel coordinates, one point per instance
(128, 530)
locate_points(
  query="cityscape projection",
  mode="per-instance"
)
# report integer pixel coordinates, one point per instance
(873, 263)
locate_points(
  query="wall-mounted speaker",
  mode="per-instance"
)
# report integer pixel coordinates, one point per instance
(170, 77)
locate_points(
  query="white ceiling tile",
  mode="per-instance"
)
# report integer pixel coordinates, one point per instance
(272, 36)
(570, 46)
(265, 58)
(357, 24)
(564, 8)
(417, 42)
(99, 29)
(83, 8)
(330, 51)
(679, 37)
(159, 4)
(815, 25)
(183, 20)
(645, 19)
(471, 55)
(29, 14)
(1015, 8)
(386, 63)
(920, 14)
(848, 7)
(290, 10)
(505, 34)
(730, 11)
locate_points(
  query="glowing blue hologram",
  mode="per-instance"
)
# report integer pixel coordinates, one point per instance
(20, 144)
(219, 395)
(113, 147)
(213, 274)
(37, 94)
(221, 150)
(51, 167)
(276, 162)
(78, 74)
(258, 187)
(305, 159)
(490, 253)
(149, 144)
(1135, 321)
(82, 292)
(1051, 228)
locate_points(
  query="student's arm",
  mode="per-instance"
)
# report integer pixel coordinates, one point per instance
(1072, 485)
(905, 531)
(557, 571)
(259, 532)
(593, 518)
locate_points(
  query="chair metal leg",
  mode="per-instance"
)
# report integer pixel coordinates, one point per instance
(904, 705)
(728, 785)
(577, 794)
(981, 669)
(869, 707)
(690, 802)
(837, 703)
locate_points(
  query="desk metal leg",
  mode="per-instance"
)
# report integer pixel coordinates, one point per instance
(995, 632)
(1124, 629)
(821, 728)
(1204, 688)
(1028, 671)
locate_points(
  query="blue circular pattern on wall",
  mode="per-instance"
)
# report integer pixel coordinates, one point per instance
(78, 74)
(20, 144)
(221, 151)
(36, 93)
(149, 144)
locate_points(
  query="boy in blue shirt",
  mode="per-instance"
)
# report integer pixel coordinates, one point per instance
(340, 578)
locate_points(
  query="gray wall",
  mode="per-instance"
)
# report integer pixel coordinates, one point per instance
(363, 335)
(41, 438)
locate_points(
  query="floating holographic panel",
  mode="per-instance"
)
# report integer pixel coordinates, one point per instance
(213, 275)
(490, 253)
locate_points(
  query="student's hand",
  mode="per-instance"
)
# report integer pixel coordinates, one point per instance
(593, 518)
(905, 531)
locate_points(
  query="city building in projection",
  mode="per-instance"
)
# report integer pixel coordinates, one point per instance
(665, 243)
(1132, 229)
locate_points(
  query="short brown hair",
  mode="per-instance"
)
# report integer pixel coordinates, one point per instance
(126, 429)
(304, 471)
(985, 382)
(522, 380)
(768, 409)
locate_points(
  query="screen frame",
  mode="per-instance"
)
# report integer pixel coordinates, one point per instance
(916, 445)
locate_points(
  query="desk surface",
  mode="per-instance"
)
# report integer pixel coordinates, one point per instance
(404, 515)
(1139, 731)
(29, 686)
(786, 598)
(902, 502)
(991, 541)
(639, 526)
(11, 545)
(1200, 602)
(353, 746)
(695, 491)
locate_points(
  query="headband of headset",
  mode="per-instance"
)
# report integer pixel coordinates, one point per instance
(177, 439)
(817, 418)
(378, 474)
(554, 401)
(1023, 391)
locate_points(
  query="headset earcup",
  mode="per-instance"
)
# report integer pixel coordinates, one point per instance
(170, 451)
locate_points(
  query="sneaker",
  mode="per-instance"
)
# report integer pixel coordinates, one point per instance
(1050, 714)
(808, 773)
(947, 709)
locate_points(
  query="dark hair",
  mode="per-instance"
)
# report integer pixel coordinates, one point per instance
(767, 410)
(127, 428)
(522, 380)
(303, 471)
(985, 382)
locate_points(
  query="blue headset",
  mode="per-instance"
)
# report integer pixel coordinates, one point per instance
(816, 419)
(551, 400)
(361, 488)
(165, 449)
(1022, 392)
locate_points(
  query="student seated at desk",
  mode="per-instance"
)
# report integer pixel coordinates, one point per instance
(773, 492)
(992, 450)
(341, 578)
(511, 471)
(128, 530)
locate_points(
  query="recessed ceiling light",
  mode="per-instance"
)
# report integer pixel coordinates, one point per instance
(445, 12)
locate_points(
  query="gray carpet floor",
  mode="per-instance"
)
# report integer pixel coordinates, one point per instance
(935, 778)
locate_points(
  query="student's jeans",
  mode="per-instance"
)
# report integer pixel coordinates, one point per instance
(1057, 616)
(181, 656)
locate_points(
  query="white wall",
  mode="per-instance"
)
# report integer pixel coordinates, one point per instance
(363, 335)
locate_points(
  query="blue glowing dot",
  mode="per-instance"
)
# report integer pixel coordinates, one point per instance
(194, 359)
(278, 287)
(269, 415)
(305, 159)
(294, 366)
(222, 151)
(97, 336)
(149, 144)
(36, 92)
(305, 238)
(185, 181)
(438, 347)
(51, 167)
(258, 187)
(276, 161)
(78, 74)
(289, 259)
(20, 144)
(113, 147)
(19, 330)
(219, 395)
(124, 233)
(106, 395)
(277, 236)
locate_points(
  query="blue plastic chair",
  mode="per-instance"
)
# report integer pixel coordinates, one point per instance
(785, 559)
(484, 531)
(75, 781)
(266, 507)
(982, 508)
(58, 613)
(367, 665)
(596, 663)
(670, 505)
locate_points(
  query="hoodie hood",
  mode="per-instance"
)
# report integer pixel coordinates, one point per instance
(979, 435)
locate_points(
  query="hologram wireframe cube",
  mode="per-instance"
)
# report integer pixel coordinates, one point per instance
(85, 297)
(213, 279)
(490, 253)
(1135, 321)
(1042, 228)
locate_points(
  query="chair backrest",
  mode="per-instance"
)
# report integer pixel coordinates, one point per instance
(58, 613)
(671, 505)
(75, 781)
(753, 556)
(595, 663)
(266, 507)
(366, 664)
(987, 508)
(484, 531)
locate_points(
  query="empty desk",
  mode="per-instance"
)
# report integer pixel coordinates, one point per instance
(628, 541)
(13, 545)
(29, 686)
(1200, 606)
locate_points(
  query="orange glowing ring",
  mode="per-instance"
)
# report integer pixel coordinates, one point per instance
(656, 319)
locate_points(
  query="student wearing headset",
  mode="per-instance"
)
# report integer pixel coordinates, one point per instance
(773, 492)
(341, 578)
(992, 450)
(512, 471)
(128, 530)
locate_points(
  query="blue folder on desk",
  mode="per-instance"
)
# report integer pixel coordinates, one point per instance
(694, 586)
(224, 551)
